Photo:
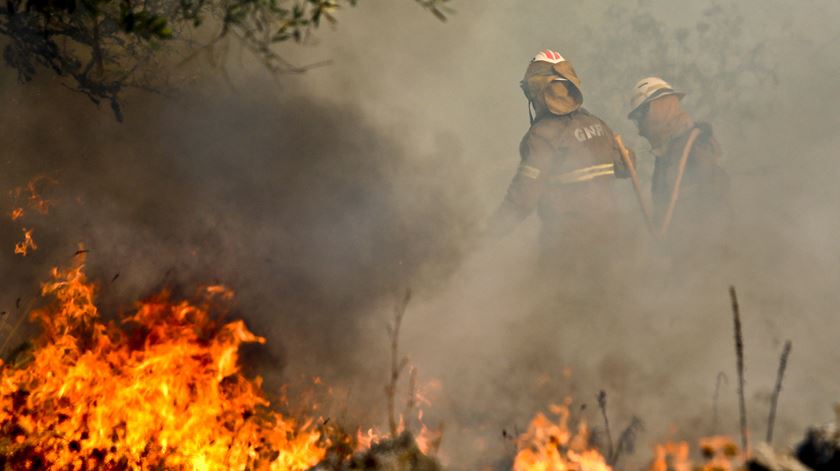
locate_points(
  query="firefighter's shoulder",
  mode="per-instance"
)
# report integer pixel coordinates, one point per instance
(550, 128)
(588, 126)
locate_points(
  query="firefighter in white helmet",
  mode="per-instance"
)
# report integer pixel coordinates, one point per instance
(569, 162)
(689, 187)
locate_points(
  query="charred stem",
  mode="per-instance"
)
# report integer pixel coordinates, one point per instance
(626, 440)
(774, 402)
(739, 354)
(602, 404)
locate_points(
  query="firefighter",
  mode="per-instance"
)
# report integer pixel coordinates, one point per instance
(689, 187)
(569, 161)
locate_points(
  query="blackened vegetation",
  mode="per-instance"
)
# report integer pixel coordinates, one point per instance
(821, 449)
(777, 390)
(626, 440)
(739, 356)
(602, 404)
(626, 443)
(104, 47)
(400, 453)
(400, 450)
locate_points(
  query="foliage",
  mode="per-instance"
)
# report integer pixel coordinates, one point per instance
(713, 59)
(106, 46)
(713, 53)
(727, 61)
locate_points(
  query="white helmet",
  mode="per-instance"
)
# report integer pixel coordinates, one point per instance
(649, 89)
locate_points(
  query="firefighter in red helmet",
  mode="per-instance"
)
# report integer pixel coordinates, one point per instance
(569, 163)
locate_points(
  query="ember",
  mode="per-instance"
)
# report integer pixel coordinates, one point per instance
(34, 199)
(23, 247)
(33, 195)
(161, 390)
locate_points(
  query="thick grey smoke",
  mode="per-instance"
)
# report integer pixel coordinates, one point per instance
(298, 204)
(760, 73)
(320, 197)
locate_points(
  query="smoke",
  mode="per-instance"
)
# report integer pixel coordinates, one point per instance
(654, 338)
(319, 198)
(301, 206)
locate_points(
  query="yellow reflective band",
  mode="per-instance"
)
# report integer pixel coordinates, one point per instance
(529, 172)
(585, 174)
(593, 168)
(602, 173)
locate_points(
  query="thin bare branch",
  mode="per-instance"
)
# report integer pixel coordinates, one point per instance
(739, 357)
(777, 390)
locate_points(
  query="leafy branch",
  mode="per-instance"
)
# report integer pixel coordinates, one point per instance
(106, 46)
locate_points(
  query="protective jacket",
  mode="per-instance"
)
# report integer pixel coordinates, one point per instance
(568, 165)
(702, 208)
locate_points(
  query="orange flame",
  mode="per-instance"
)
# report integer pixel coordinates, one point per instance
(23, 247)
(550, 445)
(367, 439)
(36, 202)
(671, 456)
(220, 290)
(33, 195)
(163, 390)
(720, 453)
(427, 439)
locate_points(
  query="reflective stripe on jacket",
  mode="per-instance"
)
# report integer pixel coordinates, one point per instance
(567, 173)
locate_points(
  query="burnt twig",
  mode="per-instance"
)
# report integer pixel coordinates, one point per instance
(774, 402)
(602, 404)
(626, 440)
(739, 354)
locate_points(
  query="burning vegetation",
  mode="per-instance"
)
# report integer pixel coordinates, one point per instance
(160, 389)
(551, 445)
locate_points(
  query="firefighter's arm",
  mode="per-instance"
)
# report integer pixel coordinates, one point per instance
(619, 155)
(527, 186)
